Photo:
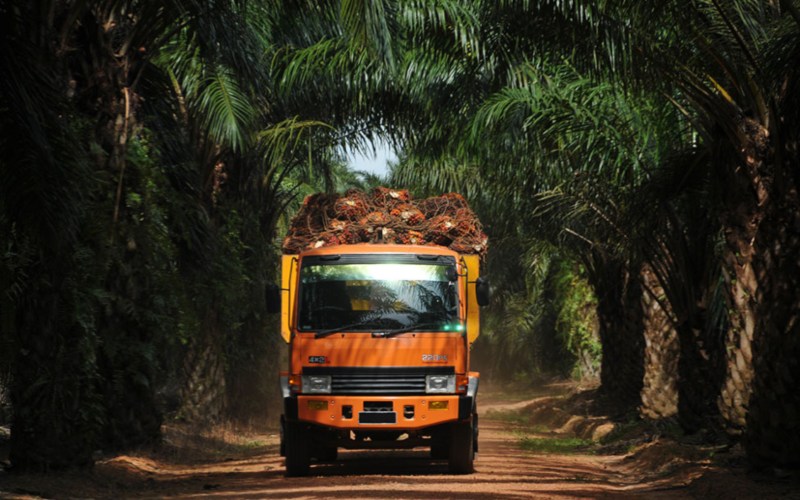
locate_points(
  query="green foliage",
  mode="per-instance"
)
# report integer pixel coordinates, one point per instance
(55, 373)
(14, 260)
(139, 309)
(561, 445)
(576, 320)
(513, 417)
(117, 245)
(542, 323)
(50, 264)
(226, 108)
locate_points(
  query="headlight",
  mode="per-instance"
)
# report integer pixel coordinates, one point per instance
(440, 384)
(316, 384)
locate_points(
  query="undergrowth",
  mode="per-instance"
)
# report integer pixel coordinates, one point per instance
(508, 416)
(556, 445)
(186, 443)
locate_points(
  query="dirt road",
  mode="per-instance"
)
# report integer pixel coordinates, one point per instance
(503, 470)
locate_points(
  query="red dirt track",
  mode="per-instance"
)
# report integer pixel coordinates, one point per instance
(503, 470)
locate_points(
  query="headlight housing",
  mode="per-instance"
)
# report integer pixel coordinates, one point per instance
(440, 384)
(316, 384)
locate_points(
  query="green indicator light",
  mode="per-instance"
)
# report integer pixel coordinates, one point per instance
(447, 328)
(459, 327)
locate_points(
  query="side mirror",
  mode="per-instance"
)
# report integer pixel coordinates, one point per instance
(273, 296)
(482, 291)
(451, 274)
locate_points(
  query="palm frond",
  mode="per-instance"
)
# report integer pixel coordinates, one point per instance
(371, 24)
(227, 110)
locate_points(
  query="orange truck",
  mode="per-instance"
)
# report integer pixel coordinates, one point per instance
(379, 352)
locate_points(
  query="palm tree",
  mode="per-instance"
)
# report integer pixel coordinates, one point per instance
(81, 181)
(552, 127)
(730, 66)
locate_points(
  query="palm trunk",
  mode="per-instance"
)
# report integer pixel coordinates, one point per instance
(621, 334)
(688, 351)
(771, 436)
(700, 373)
(748, 198)
(737, 386)
(660, 386)
(762, 218)
(204, 387)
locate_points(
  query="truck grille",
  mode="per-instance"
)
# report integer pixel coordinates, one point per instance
(378, 381)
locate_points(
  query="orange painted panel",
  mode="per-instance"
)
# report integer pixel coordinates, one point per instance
(473, 313)
(423, 415)
(361, 349)
(288, 294)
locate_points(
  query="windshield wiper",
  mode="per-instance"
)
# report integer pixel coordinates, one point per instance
(331, 331)
(360, 324)
(405, 329)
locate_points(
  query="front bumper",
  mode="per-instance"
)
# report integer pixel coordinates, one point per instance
(374, 413)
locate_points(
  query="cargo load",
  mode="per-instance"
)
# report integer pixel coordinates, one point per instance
(385, 215)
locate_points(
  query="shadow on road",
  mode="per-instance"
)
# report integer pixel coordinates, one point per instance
(252, 469)
(383, 463)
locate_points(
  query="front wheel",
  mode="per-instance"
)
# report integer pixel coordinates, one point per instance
(297, 449)
(462, 448)
(326, 453)
(440, 446)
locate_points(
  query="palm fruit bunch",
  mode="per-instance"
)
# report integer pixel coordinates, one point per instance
(385, 215)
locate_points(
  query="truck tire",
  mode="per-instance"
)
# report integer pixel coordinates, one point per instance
(475, 432)
(326, 453)
(283, 437)
(297, 449)
(462, 448)
(440, 444)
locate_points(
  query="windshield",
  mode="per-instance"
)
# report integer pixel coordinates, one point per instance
(377, 296)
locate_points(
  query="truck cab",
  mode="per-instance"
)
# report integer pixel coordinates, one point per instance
(379, 343)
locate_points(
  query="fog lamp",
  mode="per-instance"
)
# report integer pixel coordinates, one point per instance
(438, 405)
(317, 405)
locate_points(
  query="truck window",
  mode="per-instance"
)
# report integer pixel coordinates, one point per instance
(375, 296)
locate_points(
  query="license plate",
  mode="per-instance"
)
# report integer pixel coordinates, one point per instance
(377, 417)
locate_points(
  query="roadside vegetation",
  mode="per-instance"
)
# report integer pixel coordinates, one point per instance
(555, 444)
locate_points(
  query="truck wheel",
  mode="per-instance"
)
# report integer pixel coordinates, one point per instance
(439, 450)
(440, 444)
(462, 450)
(297, 450)
(475, 431)
(283, 437)
(326, 453)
